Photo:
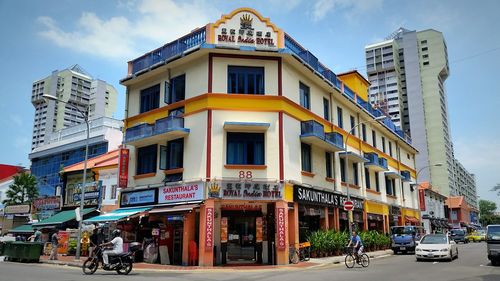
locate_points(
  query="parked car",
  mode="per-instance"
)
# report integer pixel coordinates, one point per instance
(436, 246)
(477, 236)
(459, 235)
(493, 243)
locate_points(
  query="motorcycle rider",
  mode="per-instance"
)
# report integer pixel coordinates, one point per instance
(116, 243)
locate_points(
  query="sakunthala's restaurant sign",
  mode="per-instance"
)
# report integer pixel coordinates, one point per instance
(323, 198)
(180, 193)
(246, 27)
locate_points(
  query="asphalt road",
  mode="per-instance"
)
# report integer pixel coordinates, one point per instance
(472, 264)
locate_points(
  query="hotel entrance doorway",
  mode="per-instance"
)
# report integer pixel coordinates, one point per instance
(241, 234)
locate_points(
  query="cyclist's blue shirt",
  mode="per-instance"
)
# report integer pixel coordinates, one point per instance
(355, 239)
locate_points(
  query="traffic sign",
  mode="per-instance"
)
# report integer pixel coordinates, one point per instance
(348, 206)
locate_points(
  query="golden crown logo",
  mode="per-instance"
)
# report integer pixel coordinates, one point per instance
(214, 188)
(246, 21)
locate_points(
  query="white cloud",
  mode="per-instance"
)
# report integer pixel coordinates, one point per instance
(353, 8)
(121, 38)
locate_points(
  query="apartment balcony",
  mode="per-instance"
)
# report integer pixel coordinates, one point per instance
(163, 130)
(313, 133)
(348, 92)
(375, 163)
(406, 176)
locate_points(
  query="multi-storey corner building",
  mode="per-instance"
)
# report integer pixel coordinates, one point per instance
(407, 72)
(236, 136)
(75, 86)
(432, 207)
(67, 147)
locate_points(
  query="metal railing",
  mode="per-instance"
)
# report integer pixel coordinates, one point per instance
(335, 139)
(163, 125)
(312, 127)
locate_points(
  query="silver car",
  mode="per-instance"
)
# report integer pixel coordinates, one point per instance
(436, 246)
(493, 242)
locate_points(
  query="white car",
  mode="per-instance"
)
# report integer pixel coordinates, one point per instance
(436, 246)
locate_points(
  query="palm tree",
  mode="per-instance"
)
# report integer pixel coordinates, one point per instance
(22, 191)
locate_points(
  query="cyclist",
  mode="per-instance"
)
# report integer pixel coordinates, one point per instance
(357, 244)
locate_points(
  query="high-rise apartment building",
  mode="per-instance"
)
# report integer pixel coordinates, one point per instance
(73, 86)
(465, 184)
(407, 74)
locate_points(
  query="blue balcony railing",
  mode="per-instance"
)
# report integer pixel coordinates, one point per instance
(169, 124)
(310, 59)
(372, 159)
(312, 128)
(335, 139)
(406, 175)
(164, 125)
(382, 162)
(169, 50)
(348, 92)
(139, 132)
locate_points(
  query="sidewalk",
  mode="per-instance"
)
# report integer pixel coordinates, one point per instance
(316, 262)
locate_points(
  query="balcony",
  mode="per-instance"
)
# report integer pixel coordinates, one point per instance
(169, 51)
(164, 129)
(313, 133)
(375, 163)
(348, 92)
(406, 176)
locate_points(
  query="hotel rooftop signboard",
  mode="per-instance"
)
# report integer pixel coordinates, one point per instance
(245, 27)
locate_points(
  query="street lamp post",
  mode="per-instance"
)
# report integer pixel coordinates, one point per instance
(421, 169)
(82, 189)
(346, 166)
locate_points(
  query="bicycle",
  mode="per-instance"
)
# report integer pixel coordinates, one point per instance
(351, 258)
(301, 253)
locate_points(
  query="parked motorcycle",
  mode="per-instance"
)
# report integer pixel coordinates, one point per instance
(121, 263)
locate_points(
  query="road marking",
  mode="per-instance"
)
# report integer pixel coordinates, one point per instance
(481, 265)
(436, 262)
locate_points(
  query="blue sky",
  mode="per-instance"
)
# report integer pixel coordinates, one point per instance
(41, 36)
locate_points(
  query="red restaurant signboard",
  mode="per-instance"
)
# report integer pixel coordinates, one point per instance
(421, 199)
(280, 228)
(123, 176)
(209, 229)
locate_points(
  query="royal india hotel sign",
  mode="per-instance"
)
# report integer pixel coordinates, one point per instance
(246, 27)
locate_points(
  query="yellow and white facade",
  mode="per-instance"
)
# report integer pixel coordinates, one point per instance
(258, 120)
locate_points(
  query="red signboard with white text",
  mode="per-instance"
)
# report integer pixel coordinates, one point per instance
(421, 199)
(123, 176)
(280, 228)
(209, 229)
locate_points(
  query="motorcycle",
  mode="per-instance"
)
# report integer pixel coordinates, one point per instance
(121, 263)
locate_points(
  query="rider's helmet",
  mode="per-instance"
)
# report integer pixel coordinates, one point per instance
(116, 233)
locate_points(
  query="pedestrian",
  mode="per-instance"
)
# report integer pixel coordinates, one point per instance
(55, 243)
(38, 236)
(94, 241)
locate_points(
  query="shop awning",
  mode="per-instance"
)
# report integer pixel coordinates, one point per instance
(174, 208)
(117, 214)
(61, 217)
(353, 157)
(393, 175)
(411, 219)
(26, 228)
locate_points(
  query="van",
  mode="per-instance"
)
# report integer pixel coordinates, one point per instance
(493, 242)
(403, 238)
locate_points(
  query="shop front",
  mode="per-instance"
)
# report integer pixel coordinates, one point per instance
(395, 216)
(250, 222)
(411, 217)
(324, 210)
(377, 216)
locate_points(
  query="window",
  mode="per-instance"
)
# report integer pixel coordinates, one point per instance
(176, 89)
(377, 183)
(305, 157)
(355, 173)
(245, 149)
(342, 169)
(245, 80)
(423, 42)
(363, 131)
(425, 49)
(383, 144)
(426, 63)
(390, 149)
(172, 155)
(339, 117)
(425, 56)
(367, 178)
(114, 189)
(353, 121)
(150, 98)
(374, 139)
(328, 159)
(146, 159)
(326, 109)
(304, 96)
(388, 186)
(103, 192)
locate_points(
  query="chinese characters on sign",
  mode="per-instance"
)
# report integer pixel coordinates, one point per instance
(123, 176)
(209, 229)
(241, 29)
(246, 190)
(280, 228)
